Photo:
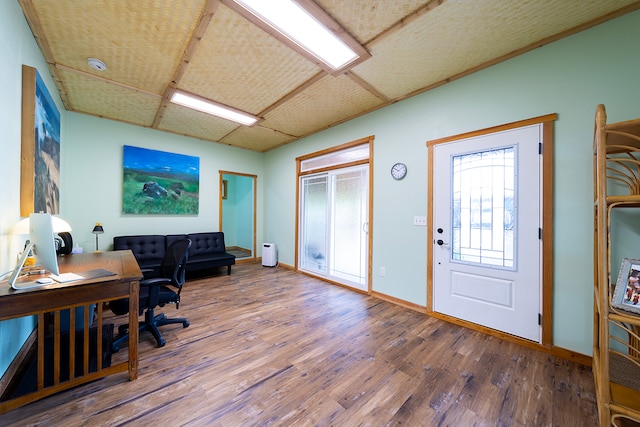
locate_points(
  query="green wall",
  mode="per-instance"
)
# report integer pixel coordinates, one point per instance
(17, 47)
(568, 77)
(91, 169)
(91, 173)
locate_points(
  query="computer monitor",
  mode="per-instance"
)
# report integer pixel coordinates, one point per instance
(44, 240)
(42, 243)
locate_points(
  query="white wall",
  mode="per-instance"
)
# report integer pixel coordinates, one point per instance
(569, 77)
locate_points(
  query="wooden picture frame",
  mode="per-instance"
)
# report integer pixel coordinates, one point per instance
(626, 295)
(40, 147)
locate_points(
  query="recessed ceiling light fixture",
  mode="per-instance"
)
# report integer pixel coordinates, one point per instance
(213, 108)
(96, 64)
(309, 28)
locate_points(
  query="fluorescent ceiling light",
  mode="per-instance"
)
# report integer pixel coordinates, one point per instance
(213, 108)
(299, 26)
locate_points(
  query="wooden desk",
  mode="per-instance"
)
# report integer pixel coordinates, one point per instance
(50, 300)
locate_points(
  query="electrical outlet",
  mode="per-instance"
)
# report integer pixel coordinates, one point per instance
(383, 271)
(420, 220)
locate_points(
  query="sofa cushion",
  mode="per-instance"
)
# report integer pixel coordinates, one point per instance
(148, 249)
(206, 243)
(170, 238)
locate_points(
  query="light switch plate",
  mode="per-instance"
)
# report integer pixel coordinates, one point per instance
(420, 220)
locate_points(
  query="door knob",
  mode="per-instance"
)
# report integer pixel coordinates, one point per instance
(441, 242)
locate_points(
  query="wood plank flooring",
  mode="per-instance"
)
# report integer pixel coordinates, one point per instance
(270, 347)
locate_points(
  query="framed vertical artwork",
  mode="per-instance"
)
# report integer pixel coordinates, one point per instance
(40, 147)
(158, 182)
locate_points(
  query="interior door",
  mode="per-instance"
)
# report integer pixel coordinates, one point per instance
(486, 212)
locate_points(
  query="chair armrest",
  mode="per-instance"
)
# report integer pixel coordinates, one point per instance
(154, 289)
(148, 273)
(155, 281)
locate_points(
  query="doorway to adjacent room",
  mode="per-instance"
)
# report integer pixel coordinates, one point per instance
(237, 213)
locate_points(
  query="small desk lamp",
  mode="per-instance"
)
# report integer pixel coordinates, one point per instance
(98, 230)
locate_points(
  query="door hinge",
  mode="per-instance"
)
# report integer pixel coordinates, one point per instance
(539, 233)
(540, 148)
(539, 319)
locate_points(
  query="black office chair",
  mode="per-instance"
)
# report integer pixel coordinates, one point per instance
(157, 291)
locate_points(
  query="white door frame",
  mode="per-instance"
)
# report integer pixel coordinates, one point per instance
(547, 226)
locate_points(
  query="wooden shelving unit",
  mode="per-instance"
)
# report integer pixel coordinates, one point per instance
(616, 348)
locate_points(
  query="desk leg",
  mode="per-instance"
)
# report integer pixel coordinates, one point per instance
(134, 291)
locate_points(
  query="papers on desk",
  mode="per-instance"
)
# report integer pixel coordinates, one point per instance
(66, 277)
(63, 278)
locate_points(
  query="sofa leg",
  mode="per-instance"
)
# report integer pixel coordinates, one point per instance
(228, 270)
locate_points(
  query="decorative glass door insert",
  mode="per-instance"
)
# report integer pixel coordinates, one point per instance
(483, 216)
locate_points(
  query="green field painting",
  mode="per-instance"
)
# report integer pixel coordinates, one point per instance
(158, 182)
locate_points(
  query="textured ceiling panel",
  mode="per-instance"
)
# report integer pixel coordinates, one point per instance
(205, 47)
(257, 138)
(321, 105)
(460, 35)
(364, 20)
(185, 121)
(105, 99)
(240, 65)
(140, 41)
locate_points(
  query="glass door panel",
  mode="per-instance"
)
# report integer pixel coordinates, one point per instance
(314, 224)
(349, 239)
(334, 215)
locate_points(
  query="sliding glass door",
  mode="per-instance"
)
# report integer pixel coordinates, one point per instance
(334, 225)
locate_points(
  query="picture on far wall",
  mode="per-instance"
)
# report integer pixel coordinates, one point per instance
(158, 182)
(40, 147)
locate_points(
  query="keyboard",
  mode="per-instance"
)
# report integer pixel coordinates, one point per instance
(66, 277)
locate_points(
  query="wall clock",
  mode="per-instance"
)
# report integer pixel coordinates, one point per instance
(399, 171)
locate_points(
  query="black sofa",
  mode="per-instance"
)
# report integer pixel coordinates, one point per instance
(207, 251)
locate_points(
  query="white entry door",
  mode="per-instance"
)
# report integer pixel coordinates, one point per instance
(487, 217)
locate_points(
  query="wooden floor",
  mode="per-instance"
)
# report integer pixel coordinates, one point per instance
(268, 346)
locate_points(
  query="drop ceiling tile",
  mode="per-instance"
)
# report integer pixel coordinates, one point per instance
(103, 99)
(365, 19)
(141, 42)
(460, 35)
(238, 64)
(257, 138)
(324, 103)
(186, 121)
